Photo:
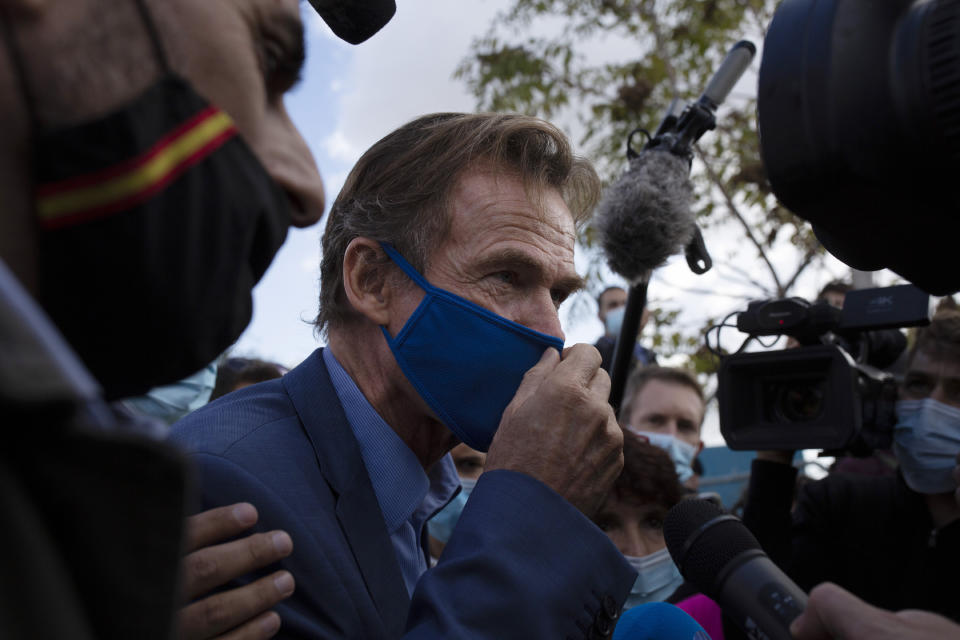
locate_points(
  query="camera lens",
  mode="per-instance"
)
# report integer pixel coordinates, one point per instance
(800, 401)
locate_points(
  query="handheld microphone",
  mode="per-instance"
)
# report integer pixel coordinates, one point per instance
(718, 554)
(658, 621)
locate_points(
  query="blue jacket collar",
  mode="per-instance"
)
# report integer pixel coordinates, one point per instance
(340, 462)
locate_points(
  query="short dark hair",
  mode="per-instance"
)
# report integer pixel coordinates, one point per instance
(243, 371)
(605, 291)
(400, 189)
(641, 376)
(835, 286)
(649, 475)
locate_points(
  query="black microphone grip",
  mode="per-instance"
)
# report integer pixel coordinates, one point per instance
(717, 553)
(626, 343)
(760, 597)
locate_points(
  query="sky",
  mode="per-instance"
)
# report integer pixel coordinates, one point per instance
(351, 96)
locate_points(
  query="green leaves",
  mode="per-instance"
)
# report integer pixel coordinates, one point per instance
(611, 66)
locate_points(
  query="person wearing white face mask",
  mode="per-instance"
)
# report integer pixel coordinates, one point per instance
(666, 406)
(892, 541)
(632, 516)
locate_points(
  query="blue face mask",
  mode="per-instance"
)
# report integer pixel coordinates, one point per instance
(926, 440)
(682, 453)
(657, 578)
(614, 320)
(464, 361)
(441, 525)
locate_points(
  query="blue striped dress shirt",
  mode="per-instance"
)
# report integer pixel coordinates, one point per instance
(408, 496)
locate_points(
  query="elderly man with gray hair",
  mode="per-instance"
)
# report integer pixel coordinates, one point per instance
(445, 258)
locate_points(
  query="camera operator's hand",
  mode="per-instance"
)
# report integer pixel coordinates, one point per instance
(560, 429)
(243, 612)
(835, 614)
(783, 457)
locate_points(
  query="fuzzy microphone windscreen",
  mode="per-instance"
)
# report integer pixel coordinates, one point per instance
(645, 216)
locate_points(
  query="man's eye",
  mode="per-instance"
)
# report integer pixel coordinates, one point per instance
(558, 297)
(506, 277)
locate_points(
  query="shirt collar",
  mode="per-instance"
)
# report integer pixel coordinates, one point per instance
(402, 487)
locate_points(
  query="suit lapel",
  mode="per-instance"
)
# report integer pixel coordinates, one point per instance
(358, 511)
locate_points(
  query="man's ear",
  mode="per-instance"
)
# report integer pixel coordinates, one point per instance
(366, 279)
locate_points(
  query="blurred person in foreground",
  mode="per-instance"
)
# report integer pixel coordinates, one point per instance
(611, 304)
(892, 541)
(445, 258)
(666, 406)
(148, 174)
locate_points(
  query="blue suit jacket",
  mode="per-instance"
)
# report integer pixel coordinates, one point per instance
(521, 563)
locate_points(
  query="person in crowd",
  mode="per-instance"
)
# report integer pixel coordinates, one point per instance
(469, 464)
(237, 373)
(171, 402)
(834, 293)
(666, 406)
(148, 173)
(611, 303)
(892, 541)
(632, 516)
(445, 258)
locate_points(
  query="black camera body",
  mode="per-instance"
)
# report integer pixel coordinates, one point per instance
(829, 393)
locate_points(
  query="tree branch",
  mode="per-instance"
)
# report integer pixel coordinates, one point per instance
(806, 262)
(735, 212)
(745, 275)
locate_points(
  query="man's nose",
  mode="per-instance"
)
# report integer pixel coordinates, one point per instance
(541, 315)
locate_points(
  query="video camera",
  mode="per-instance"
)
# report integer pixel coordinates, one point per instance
(830, 392)
(858, 107)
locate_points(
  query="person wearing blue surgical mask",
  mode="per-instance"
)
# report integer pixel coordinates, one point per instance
(611, 304)
(666, 406)
(469, 464)
(632, 517)
(891, 541)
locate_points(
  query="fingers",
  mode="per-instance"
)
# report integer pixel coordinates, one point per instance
(833, 613)
(213, 566)
(223, 612)
(581, 362)
(219, 524)
(263, 626)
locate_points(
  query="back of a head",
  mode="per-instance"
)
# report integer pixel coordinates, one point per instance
(400, 190)
(648, 476)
